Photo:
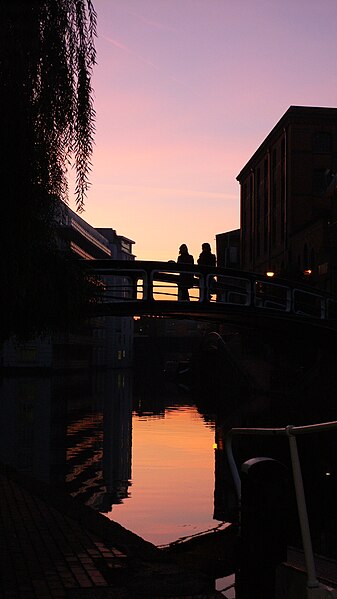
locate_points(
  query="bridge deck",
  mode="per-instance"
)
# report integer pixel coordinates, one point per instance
(135, 288)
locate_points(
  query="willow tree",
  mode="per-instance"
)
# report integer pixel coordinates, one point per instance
(46, 127)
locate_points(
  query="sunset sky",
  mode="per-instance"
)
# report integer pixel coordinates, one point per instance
(185, 91)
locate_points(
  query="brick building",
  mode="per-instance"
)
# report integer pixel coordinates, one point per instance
(289, 200)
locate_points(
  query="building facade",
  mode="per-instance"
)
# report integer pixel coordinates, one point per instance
(118, 330)
(288, 199)
(228, 249)
(104, 341)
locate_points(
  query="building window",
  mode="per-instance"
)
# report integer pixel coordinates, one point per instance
(274, 158)
(265, 236)
(318, 181)
(322, 141)
(265, 207)
(305, 256)
(251, 222)
(283, 189)
(258, 211)
(312, 258)
(233, 255)
(244, 206)
(273, 198)
(258, 194)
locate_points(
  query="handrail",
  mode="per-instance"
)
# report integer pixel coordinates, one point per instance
(291, 432)
(223, 287)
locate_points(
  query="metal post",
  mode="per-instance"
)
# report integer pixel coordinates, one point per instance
(312, 582)
(149, 285)
(315, 590)
(233, 468)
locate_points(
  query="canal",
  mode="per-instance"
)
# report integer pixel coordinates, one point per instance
(150, 456)
(144, 460)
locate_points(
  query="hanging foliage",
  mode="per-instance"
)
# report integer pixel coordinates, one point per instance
(47, 123)
(47, 54)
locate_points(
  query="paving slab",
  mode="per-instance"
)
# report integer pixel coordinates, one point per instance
(53, 547)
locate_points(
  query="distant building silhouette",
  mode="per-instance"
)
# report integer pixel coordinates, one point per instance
(228, 249)
(103, 341)
(288, 203)
(118, 329)
(73, 429)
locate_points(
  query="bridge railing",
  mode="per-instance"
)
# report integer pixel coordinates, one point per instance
(314, 589)
(227, 289)
(272, 295)
(171, 285)
(331, 309)
(157, 282)
(123, 285)
(309, 304)
(200, 287)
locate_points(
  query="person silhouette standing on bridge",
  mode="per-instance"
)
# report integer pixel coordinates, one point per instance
(185, 280)
(206, 258)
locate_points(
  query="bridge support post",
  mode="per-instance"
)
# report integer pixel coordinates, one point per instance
(263, 527)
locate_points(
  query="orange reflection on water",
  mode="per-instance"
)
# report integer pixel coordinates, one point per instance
(172, 477)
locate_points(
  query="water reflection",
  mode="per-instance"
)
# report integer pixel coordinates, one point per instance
(99, 434)
(144, 458)
(144, 455)
(73, 430)
(172, 476)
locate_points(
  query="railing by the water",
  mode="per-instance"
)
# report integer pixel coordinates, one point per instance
(314, 588)
(155, 282)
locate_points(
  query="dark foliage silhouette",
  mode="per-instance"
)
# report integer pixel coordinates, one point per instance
(46, 125)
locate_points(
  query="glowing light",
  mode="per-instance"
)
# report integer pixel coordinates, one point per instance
(307, 272)
(328, 474)
(215, 446)
(270, 273)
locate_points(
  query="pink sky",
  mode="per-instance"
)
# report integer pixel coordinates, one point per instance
(185, 91)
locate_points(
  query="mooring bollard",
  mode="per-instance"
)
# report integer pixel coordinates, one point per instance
(264, 505)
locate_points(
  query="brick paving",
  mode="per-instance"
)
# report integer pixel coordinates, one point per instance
(43, 552)
(51, 547)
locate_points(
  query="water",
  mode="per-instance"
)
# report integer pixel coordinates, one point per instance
(145, 456)
(171, 494)
(144, 460)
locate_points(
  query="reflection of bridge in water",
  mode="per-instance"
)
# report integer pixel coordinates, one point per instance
(136, 288)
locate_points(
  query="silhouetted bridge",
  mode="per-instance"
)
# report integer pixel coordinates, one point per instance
(135, 288)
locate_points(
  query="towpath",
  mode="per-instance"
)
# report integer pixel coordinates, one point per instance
(52, 547)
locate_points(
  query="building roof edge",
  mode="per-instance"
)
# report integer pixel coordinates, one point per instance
(292, 110)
